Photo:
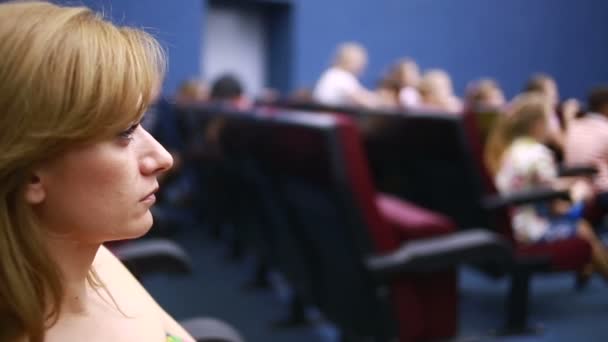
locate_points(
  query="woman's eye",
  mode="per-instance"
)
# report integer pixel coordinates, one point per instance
(128, 133)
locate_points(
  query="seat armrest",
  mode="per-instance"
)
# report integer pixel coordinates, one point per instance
(444, 252)
(410, 221)
(524, 197)
(577, 171)
(211, 330)
(147, 256)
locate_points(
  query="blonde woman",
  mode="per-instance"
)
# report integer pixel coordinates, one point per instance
(76, 170)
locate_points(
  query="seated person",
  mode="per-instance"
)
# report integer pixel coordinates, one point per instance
(546, 86)
(388, 92)
(484, 94)
(587, 140)
(437, 93)
(339, 86)
(191, 91)
(77, 170)
(523, 163)
(228, 90)
(407, 75)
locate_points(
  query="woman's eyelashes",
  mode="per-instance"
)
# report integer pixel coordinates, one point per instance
(128, 133)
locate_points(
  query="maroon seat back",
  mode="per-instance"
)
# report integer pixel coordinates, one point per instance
(319, 166)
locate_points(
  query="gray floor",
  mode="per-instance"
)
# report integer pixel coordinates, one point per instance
(215, 290)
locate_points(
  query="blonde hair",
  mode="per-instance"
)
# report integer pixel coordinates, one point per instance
(67, 77)
(348, 54)
(436, 82)
(480, 92)
(523, 113)
(192, 90)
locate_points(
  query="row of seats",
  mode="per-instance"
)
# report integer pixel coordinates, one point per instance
(337, 241)
(304, 190)
(436, 161)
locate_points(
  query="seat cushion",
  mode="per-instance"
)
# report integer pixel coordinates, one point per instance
(409, 221)
(564, 255)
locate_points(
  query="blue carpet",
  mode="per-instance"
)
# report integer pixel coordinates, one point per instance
(215, 290)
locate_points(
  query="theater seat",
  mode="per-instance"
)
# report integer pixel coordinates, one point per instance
(146, 256)
(435, 161)
(379, 268)
(565, 255)
(411, 222)
(205, 329)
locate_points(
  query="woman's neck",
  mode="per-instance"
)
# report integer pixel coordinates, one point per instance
(74, 260)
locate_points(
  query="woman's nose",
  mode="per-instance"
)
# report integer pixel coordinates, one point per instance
(156, 159)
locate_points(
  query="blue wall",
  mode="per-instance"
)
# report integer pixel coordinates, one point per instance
(506, 39)
(176, 24)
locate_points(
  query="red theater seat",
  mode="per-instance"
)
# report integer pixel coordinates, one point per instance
(378, 267)
(434, 161)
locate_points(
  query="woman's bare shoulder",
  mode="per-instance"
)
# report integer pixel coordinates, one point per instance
(110, 269)
(119, 281)
(114, 273)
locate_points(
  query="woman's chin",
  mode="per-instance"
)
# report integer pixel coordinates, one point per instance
(144, 227)
(136, 229)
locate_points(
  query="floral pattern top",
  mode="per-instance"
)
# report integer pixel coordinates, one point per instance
(527, 164)
(171, 338)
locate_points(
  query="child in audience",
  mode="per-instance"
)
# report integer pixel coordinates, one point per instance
(339, 85)
(437, 93)
(519, 161)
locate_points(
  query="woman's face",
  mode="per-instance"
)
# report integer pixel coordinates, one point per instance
(102, 191)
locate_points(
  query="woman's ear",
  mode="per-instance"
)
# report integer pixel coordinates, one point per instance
(35, 192)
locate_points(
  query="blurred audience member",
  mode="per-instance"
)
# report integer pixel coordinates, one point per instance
(484, 94)
(407, 73)
(587, 138)
(546, 86)
(523, 163)
(437, 92)
(227, 89)
(339, 85)
(192, 91)
(388, 93)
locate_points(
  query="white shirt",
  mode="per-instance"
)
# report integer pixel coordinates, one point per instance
(335, 87)
(409, 97)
